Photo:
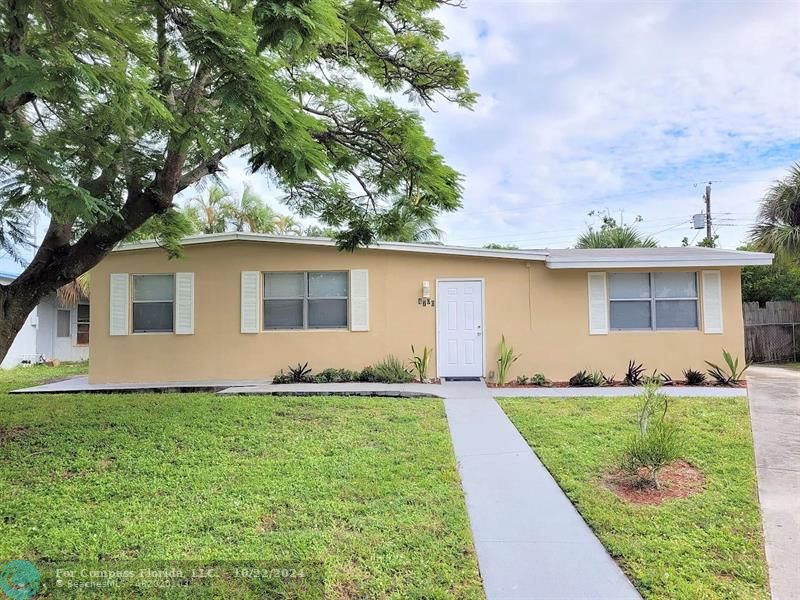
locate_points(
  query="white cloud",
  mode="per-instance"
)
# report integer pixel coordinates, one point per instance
(608, 103)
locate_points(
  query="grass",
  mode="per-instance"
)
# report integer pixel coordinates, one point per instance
(347, 497)
(705, 546)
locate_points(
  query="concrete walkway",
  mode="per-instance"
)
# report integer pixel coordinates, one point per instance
(260, 387)
(775, 415)
(530, 540)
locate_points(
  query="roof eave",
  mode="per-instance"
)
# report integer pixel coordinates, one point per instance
(663, 264)
(326, 242)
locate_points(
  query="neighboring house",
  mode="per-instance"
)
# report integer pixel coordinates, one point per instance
(51, 331)
(244, 306)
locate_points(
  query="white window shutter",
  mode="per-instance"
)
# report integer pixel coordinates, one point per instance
(118, 304)
(598, 304)
(359, 300)
(712, 302)
(250, 296)
(184, 303)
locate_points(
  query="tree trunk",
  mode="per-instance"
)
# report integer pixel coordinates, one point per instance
(57, 262)
(14, 309)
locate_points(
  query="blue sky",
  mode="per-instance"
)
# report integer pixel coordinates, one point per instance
(628, 107)
(624, 106)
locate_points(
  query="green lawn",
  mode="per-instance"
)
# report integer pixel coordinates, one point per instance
(351, 498)
(705, 546)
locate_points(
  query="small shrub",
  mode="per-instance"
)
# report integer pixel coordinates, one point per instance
(635, 373)
(300, 373)
(504, 361)
(608, 379)
(658, 379)
(730, 376)
(521, 380)
(335, 376)
(346, 376)
(655, 443)
(586, 378)
(539, 379)
(421, 361)
(368, 375)
(693, 377)
(326, 376)
(281, 378)
(391, 370)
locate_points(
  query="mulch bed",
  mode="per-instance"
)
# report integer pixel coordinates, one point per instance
(565, 384)
(677, 480)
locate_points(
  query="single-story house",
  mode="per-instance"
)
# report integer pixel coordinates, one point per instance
(51, 331)
(244, 306)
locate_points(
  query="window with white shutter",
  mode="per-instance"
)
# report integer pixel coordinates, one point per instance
(598, 304)
(249, 301)
(359, 300)
(712, 302)
(184, 303)
(118, 300)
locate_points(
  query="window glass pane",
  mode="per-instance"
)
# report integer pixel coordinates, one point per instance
(676, 314)
(153, 287)
(284, 285)
(675, 285)
(327, 313)
(322, 284)
(62, 324)
(630, 315)
(83, 333)
(283, 314)
(628, 285)
(152, 316)
(83, 312)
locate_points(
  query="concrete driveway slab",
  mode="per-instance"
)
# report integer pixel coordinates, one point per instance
(774, 409)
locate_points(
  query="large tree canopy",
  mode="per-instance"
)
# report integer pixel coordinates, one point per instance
(109, 109)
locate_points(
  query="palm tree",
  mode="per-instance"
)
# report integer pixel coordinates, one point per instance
(320, 231)
(286, 225)
(778, 226)
(75, 291)
(410, 223)
(210, 211)
(617, 236)
(250, 213)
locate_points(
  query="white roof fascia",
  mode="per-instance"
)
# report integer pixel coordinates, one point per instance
(529, 255)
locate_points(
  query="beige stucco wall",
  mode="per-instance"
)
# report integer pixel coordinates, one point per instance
(552, 338)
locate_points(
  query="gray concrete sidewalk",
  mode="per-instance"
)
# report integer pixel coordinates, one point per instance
(80, 384)
(775, 416)
(530, 540)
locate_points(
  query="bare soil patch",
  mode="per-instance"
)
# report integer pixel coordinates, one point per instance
(677, 480)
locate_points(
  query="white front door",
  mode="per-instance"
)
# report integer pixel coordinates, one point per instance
(62, 349)
(459, 322)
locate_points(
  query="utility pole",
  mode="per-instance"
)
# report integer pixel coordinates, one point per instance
(708, 211)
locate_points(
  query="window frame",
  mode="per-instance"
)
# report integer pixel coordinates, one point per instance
(79, 322)
(305, 298)
(653, 299)
(133, 301)
(59, 312)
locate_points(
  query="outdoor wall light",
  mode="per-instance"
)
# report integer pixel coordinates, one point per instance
(425, 299)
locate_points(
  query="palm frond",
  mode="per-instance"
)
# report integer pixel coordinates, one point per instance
(75, 291)
(778, 226)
